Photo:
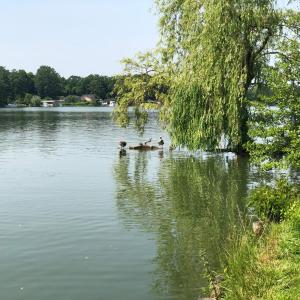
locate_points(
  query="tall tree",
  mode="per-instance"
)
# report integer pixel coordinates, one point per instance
(21, 83)
(48, 83)
(220, 56)
(5, 86)
(73, 86)
(217, 50)
(275, 115)
(101, 86)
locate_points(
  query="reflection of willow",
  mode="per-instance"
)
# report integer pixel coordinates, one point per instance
(137, 196)
(191, 206)
(205, 196)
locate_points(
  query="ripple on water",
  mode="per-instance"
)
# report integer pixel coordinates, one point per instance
(79, 222)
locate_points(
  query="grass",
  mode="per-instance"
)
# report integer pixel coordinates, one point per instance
(267, 267)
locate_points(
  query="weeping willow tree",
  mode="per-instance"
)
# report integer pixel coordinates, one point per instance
(211, 54)
(220, 59)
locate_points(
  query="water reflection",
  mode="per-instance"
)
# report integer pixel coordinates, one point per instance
(190, 205)
(56, 182)
(49, 130)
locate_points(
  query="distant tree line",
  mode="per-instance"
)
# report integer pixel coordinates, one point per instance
(19, 86)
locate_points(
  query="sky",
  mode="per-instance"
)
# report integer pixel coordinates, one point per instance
(76, 37)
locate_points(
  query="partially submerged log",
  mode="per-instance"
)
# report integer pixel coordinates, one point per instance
(143, 147)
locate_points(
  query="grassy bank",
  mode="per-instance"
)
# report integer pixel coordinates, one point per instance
(268, 266)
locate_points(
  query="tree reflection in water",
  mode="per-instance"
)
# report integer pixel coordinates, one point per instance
(190, 204)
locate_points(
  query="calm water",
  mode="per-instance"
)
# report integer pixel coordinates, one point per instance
(79, 222)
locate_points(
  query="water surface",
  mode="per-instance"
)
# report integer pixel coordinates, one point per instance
(79, 222)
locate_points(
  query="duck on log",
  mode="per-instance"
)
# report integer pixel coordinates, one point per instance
(161, 142)
(144, 146)
(122, 144)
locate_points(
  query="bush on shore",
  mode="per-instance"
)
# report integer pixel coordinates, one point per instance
(267, 267)
(272, 203)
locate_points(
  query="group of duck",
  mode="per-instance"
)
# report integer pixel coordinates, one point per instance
(142, 146)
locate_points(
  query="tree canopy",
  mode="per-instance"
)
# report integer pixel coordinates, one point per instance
(215, 57)
(5, 87)
(21, 83)
(48, 82)
(275, 115)
(19, 86)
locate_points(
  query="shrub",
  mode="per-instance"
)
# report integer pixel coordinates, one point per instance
(35, 101)
(26, 100)
(267, 268)
(272, 203)
(72, 99)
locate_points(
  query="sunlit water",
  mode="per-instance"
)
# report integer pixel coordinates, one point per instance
(79, 222)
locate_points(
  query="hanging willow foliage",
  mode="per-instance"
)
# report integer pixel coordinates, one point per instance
(145, 78)
(210, 54)
(218, 61)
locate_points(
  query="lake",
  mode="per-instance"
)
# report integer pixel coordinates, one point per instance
(77, 221)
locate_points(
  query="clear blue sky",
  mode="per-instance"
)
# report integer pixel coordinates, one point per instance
(76, 37)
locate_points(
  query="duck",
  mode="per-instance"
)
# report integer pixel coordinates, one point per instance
(161, 141)
(122, 144)
(149, 141)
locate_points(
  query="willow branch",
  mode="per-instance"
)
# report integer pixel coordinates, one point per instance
(278, 53)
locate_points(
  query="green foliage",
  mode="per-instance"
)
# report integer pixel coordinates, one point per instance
(221, 45)
(275, 118)
(222, 66)
(29, 100)
(71, 99)
(48, 82)
(101, 86)
(221, 59)
(5, 86)
(267, 268)
(26, 100)
(210, 55)
(73, 86)
(35, 101)
(273, 203)
(145, 80)
(22, 83)
(18, 86)
(98, 85)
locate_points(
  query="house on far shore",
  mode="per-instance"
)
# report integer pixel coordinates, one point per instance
(112, 103)
(52, 103)
(89, 98)
(109, 102)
